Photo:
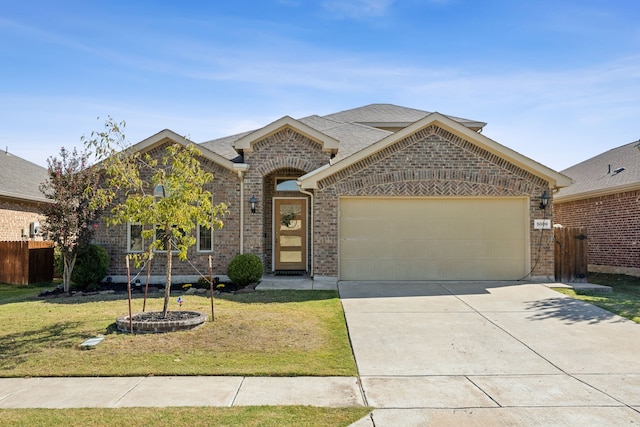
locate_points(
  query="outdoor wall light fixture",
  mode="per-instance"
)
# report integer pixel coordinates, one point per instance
(544, 200)
(252, 203)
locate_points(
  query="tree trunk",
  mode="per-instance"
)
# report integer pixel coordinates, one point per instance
(167, 289)
(69, 261)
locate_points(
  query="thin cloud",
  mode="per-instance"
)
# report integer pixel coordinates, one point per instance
(357, 9)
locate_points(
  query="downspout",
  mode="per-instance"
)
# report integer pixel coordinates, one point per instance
(241, 177)
(311, 228)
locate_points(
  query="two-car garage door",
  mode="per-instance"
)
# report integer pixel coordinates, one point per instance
(449, 238)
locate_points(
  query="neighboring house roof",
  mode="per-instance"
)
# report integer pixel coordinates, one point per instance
(555, 179)
(613, 171)
(21, 179)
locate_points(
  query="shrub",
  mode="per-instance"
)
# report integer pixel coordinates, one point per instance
(91, 267)
(245, 269)
(203, 283)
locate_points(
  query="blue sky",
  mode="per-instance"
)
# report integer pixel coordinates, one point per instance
(558, 81)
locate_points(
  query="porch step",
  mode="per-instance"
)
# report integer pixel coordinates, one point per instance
(290, 272)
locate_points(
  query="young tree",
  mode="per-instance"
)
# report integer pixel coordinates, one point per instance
(166, 195)
(70, 219)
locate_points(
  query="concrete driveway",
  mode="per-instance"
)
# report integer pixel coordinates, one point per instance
(490, 354)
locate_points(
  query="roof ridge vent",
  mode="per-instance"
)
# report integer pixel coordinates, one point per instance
(617, 171)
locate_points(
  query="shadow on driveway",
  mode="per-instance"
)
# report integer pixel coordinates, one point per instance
(570, 311)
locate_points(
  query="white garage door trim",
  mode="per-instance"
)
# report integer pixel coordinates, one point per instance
(434, 238)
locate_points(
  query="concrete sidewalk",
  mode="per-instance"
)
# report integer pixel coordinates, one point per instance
(110, 392)
(490, 354)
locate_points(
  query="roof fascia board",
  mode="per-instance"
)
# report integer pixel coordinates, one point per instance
(25, 198)
(559, 198)
(245, 143)
(555, 179)
(168, 135)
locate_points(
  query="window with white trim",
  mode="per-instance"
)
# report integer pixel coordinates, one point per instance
(135, 241)
(205, 238)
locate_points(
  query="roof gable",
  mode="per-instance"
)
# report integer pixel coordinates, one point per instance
(554, 178)
(167, 135)
(613, 171)
(246, 142)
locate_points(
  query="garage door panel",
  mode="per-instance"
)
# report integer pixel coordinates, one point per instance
(433, 238)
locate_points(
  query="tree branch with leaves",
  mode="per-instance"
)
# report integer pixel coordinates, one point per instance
(130, 178)
(71, 217)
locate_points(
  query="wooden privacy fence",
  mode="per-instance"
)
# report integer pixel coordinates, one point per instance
(26, 262)
(570, 254)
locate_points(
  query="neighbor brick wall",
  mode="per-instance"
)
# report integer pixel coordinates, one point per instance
(16, 215)
(432, 162)
(612, 222)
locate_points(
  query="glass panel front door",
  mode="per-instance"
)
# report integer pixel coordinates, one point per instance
(290, 234)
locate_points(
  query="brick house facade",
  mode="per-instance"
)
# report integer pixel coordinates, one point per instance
(606, 200)
(16, 217)
(20, 197)
(305, 172)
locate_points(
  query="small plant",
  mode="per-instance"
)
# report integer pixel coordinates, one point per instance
(91, 267)
(203, 283)
(245, 269)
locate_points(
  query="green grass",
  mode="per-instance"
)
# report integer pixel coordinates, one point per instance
(249, 416)
(265, 333)
(15, 293)
(624, 300)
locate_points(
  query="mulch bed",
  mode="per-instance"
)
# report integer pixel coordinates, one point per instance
(156, 316)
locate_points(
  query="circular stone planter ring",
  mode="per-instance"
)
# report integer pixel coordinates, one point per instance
(152, 322)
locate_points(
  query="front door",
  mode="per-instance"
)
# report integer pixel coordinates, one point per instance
(290, 234)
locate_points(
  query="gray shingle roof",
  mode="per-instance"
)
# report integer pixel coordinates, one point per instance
(389, 113)
(599, 173)
(352, 137)
(352, 128)
(224, 146)
(20, 178)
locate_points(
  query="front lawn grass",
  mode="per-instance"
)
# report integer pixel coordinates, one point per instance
(248, 416)
(15, 293)
(265, 333)
(624, 299)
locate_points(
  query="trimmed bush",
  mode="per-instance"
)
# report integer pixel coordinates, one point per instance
(245, 269)
(91, 267)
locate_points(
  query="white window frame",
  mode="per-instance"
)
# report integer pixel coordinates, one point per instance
(198, 240)
(129, 250)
